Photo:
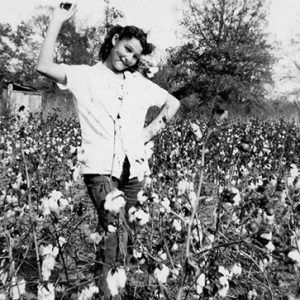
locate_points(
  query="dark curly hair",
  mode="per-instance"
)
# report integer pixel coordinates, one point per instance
(127, 32)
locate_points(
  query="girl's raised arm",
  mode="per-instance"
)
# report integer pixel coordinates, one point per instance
(45, 64)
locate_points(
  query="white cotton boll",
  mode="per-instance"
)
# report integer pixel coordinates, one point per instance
(165, 203)
(174, 247)
(17, 288)
(114, 201)
(224, 271)
(152, 71)
(116, 280)
(177, 225)
(46, 250)
(155, 197)
(270, 246)
(88, 292)
(175, 272)
(290, 181)
(237, 198)
(236, 270)
(46, 293)
(111, 228)
(131, 214)
(196, 131)
(45, 207)
(181, 187)
(96, 237)
(63, 203)
(49, 254)
(55, 251)
(55, 195)
(137, 254)
(76, 171)
(85, 295)
(47, 266)
(141, 197)
(162, 273)
(53, 205)
(184, 186)
(252, 295)
(200, 283)
(162, 255)
(3, 276)
(267, 236)
(193, 198)
(294, 171)
(294, 255)
(222, 292)
(3, 296)
(142, 217)
(62, 241)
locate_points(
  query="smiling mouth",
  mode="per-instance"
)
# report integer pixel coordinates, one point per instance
(123, 63)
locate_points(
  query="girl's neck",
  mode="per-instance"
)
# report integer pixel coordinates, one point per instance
(120, 75)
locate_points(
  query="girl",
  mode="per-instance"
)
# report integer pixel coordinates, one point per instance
(112, 100)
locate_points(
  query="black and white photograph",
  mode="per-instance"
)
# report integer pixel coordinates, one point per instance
(149, 149)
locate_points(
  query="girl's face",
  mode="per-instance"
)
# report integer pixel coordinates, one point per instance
(124, 54)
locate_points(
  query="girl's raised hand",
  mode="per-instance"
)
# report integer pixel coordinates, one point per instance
(64, 11)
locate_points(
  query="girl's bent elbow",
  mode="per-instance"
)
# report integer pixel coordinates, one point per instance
(41, 68)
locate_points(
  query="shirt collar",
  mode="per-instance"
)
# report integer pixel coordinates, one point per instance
(127, 74)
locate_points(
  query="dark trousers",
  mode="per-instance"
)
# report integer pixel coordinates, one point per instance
(112, 250)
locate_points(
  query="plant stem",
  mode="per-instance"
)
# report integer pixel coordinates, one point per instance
(194, 210)
(30, 210)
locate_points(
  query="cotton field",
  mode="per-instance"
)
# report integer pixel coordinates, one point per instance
(218, 219)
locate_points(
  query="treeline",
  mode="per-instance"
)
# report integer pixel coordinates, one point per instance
(225, 56)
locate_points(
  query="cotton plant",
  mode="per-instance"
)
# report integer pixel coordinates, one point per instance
(252, 294)
(165, 205)
(88, 292)
(224, 281)
(46, 291)
(176, 224)
(196, 131)
(49, 254)
(55, 202)
(161, 273)
(116, 280)
(293, 174)
(114, 201)
(111, 228)
(141, 197)
(294, 253)
(184, 186)
(200, 283)
(96, 237)
(3, 273)
(162, 255)
(138, 215)
(17, 288)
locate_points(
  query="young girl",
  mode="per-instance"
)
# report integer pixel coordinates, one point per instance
(112, 100)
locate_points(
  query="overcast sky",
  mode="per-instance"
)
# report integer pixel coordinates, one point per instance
(160, 17)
